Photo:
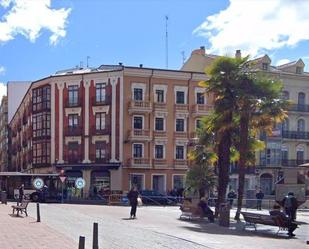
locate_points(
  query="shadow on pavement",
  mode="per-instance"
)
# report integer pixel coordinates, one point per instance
(15, 216)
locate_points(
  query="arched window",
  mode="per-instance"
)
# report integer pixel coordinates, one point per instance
(285, 125)
(301, 98)
(300, 154)
(301, 125)
(285, 95)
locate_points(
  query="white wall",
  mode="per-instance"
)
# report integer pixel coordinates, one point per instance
(16, 92)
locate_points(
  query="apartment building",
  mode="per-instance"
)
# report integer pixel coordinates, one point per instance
(4, 134)
(288, 146)
(115, 126)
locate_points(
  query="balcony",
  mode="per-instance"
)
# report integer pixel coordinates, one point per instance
(140, 106)
(139, 162)
(181, 107)
(160, 106)
(180, 134)
(75, 103)
(201, 109)
(295, 135)
(293, 162)
(299, 108)
(98, 102)
(158, 163)
(104, 160)
(181, 163)
(73, 159)
(105, 131)
(159, 134)
(76, 131)
(248, 170)
(139, 135)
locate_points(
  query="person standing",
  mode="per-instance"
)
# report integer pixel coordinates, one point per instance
(290, 205)
(231, 196)
(259, 198)
(132, 196)
(206, 209)
(21, 193)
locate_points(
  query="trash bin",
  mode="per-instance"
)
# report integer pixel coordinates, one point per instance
(3, 197)
(224, 215)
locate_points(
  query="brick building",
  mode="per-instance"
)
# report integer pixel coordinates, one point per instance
(114, 126)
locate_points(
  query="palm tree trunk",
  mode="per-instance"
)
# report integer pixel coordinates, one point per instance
(223, 167)
(243, 151)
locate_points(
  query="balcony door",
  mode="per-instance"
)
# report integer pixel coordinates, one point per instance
(158, 183)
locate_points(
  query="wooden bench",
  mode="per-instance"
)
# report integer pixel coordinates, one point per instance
(252, 219)
(22, 208)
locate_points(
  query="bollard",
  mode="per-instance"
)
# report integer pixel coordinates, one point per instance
(38, 216)
(81, 242)
(95, 244)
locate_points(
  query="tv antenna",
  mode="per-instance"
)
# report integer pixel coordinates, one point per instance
(183, 57)
(88, 57)
(166, 41)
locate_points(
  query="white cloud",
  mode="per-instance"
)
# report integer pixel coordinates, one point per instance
(29, 17)
(255, 25)
(2, 70)
(282, 61)
(3, 90)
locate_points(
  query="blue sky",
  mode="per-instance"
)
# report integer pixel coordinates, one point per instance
(39, 37)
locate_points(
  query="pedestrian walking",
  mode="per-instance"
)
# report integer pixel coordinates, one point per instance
(259, 198)
(231, 196)
(290, 205)
(132, 197)
(21, 193)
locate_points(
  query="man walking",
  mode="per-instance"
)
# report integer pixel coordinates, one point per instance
(21, 193)
(259, 198)
(132, 196)
(290, 205)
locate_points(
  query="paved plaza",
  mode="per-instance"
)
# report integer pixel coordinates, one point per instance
(156, 227)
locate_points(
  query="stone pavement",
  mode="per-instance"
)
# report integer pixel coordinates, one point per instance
(160, 227)
(25, 232)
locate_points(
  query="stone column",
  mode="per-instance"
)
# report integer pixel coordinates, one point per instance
(86, 141)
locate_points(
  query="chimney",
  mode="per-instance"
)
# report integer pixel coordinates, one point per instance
(140, 65)
(238, 53)
(120, 63)
(200, 51)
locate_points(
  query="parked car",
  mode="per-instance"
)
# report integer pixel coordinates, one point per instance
(152, 197)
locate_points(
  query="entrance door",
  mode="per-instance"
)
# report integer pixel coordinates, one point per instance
(158, 183)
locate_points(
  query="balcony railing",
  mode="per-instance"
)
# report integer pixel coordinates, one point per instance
(73, 159)
(140, 106)
(295, 134)
(106, 101)
(159, 105)
(299, 108)
(248, 170)
(159, 162)
(201, 108)
(180, 134)
(76, 103)
(293, 162)
(159, 134)
(105, 131)
(76, 131)
(181, 107)
(139, 134)
(94, 159)
(182, 163)
(139, 162)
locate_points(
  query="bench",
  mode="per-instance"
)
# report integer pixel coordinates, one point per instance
(190, 211)
(252, 219)
(22, 208)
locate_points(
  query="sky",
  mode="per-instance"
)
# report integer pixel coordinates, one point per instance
(40, 37)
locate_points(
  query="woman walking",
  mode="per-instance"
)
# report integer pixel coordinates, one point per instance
(132, 196)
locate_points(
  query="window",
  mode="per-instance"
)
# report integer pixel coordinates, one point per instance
(73, 120)
(41, 125)
(180, 124)
(138, 94)
(137, 150)
(198, 124)
(100, 151)
(160, 96)
(301, 98)
(159, 125)
(301, 125)
(73, 95)
(137, 180)
(179, 152)
(299, 70)
(100, 121)
(200, 98)
(285, 125)
(265, 66)
(138, 123)
(300, 155)
(285, 154)
(159, 151)
(100, 92)
(285, 95)
(180, 97)
(41, 98)
(41, 152)
(178, 182)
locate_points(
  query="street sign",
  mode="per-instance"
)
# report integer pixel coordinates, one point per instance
(38, 183)
(62, 178)
(80, 183)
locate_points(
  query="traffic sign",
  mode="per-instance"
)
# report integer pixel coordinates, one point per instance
(62, 178)
(80, 183)
(38, 183)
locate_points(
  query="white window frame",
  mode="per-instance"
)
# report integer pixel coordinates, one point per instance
(200, 90)
(184, 151)
(143, 123)
(184, 179)
(181, 89)
(164, 123)
(159, 87)
(140, 86)
(158, 174)
(139, 174)
(164, 151)
(185, 124)
(196, 121)
(143, 150)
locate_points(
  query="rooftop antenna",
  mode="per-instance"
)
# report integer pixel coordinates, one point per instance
(166, 41)
(88, 57)
(81, 64)
(183, 57)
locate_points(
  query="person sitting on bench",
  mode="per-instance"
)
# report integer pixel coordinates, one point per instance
(206, 209)
(290, 224)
